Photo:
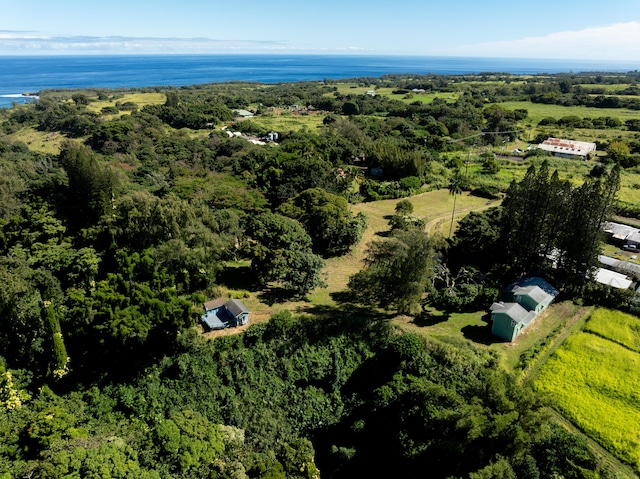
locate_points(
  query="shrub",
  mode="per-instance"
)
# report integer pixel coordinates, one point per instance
(240, 294)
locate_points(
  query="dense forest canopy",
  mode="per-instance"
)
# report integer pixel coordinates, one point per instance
(129, 215)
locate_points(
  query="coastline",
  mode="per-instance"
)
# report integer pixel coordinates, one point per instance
(37, 73)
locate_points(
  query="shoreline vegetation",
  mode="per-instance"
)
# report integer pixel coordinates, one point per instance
(367, 224)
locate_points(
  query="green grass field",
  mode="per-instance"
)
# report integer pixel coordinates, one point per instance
(538, 111)
(616, 326)
(422, 97)
(594, 382)
(358, 89)
(39, 141)
(288, 122)
(139, 98)
(608, 88)
(435, 207)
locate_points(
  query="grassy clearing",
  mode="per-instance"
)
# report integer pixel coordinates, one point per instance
(630, 186)
(538, 342)
(422, 97)
(433, 206)
(538, 111)
(616, 326)
(351, 88)
(139, 98)
(594, 383)
(39, 141)
(576, 171)
(359, 89)
(288, 121)
(607, 87)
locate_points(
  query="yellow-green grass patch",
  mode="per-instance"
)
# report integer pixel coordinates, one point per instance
(619, 327)
(433, 206)
(538, 111)
(39, 141)
(410, 97)
(629, 187)
(351, 88)
(616, 252)
(606, 87)
(594, 383)
(139, 98)
(288, 121)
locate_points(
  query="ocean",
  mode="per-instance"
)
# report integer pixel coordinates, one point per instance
(21, 74)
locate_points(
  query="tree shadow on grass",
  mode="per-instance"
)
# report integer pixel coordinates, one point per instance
(236, 277)
(350, 312)
(481, 334)
(343, 297)
(275, 295)
(427, 318)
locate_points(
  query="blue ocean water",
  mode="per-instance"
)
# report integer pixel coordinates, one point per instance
(35, 73)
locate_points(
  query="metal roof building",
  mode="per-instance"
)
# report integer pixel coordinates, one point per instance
(567, 148)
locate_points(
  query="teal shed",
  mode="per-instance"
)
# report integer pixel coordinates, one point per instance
(528, 298)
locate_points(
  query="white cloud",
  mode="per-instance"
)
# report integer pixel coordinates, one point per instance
(28, 42)
(609, 42)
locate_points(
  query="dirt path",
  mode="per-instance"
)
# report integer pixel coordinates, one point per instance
(436, 224)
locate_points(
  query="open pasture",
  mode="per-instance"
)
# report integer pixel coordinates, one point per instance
(608, 88)
(39, 141)
(411, 97)
(538, 111)
(434, 207)
(594, 381)
(288, 121)
(139, 98)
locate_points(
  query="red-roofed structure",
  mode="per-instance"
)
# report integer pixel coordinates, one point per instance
(568, 148)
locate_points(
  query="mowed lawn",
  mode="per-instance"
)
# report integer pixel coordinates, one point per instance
(595, 382)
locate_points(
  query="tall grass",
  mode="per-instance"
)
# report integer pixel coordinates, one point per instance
(619, 327)
(594, 382)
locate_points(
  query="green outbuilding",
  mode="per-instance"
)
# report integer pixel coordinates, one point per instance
(527, 298)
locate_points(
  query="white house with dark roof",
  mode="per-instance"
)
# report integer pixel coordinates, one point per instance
(220, 314)
(527, 299)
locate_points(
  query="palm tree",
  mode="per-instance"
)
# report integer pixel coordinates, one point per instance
(455, 188)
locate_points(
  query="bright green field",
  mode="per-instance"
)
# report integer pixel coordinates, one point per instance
(538, 111)
(616, 326)
(422, 97)
(359, 89)
(608, 88)
(595, 383)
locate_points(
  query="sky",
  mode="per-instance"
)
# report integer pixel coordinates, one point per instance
(553, 29)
